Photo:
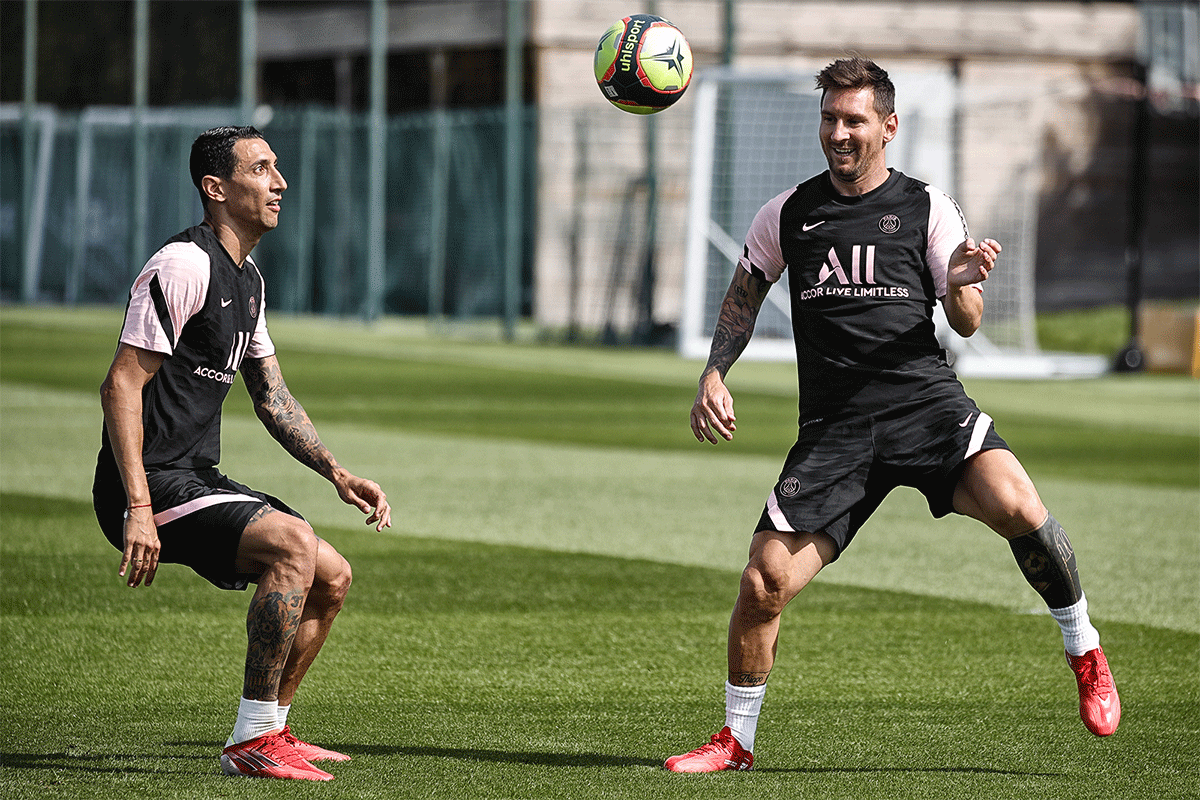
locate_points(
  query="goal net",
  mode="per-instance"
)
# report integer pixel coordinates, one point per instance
(755, 135)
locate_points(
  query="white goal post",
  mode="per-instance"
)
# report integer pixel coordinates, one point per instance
(755, 135)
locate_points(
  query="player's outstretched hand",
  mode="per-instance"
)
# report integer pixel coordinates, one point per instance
(713, 409)
(971, 262)
(367, 496)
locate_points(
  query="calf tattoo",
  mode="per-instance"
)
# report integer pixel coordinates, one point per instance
(270, 626)
(748, 678)
(1047, 560)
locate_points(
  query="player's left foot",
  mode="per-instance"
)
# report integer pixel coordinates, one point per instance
(311, 752)
(1099, 705)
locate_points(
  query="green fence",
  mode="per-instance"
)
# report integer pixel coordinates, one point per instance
(70, 233)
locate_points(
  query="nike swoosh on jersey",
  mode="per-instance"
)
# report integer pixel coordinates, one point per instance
(225, 302)
(807, 227)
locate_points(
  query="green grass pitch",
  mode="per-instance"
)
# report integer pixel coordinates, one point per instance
(547, 617)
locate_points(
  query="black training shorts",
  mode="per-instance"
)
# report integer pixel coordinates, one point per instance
(200, 515)
(841, 468)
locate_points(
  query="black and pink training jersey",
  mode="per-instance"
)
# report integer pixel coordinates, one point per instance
(864, 274)
(205, 314)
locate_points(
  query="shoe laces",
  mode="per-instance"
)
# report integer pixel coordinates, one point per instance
(279, 748)
(1090, 675)
(717, 744)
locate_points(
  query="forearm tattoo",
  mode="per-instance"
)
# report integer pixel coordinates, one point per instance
(270, 627)
(735, 324)
(283, 416)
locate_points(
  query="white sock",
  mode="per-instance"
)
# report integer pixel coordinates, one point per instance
(742, 705)
(255, 717)
(282, 712)
(1079, 635)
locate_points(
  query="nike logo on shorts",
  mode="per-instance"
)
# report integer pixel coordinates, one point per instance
(966, 421)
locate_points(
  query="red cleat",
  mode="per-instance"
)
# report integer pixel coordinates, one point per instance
(269, 756)
(1099, 705)
(722, 752)
(311, 752)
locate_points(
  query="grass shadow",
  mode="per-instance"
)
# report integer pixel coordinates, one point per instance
(106, 763)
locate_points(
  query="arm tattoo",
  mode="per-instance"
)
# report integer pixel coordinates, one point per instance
(283, 416)
(270, 628)
(735, 324)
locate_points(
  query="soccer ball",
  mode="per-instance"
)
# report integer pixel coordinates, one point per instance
(643, 64)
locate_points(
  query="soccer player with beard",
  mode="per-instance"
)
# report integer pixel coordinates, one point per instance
(195, 318)
(868, 252)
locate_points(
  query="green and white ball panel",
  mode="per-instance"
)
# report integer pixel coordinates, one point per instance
(606, 50)
(666, 59)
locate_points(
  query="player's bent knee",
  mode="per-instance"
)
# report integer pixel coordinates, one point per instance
(763, 596)
(335, 586)
(331, 580)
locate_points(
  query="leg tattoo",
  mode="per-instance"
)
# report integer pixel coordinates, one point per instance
(270, 626)
(1048, 563)
(748, 678)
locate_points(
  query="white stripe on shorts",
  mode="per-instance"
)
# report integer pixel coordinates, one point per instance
(776, 514)
(172, 514)
(977, 433)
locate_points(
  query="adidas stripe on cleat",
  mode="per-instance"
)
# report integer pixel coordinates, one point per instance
(721, 753)
(311, 752)
(269, 756)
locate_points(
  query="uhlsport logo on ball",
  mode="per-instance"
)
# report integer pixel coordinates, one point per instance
(643, 64)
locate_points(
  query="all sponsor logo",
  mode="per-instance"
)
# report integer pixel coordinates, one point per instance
(854, 278)
(861, 266)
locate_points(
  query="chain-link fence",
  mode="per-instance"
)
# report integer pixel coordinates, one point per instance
(70, 232)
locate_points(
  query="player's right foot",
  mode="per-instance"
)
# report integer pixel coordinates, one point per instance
(1099, 705)
(721, 752)
(269, 756)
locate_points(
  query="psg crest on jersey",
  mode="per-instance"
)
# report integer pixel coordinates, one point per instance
(889, 223)
(253, 306)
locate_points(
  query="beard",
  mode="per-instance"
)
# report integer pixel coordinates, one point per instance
(850, 169)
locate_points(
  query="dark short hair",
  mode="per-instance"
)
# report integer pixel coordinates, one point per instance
(860, 73)
(212, 153)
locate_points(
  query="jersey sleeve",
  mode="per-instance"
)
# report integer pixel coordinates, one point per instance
(170, 289)
(261, 345)
(763, 252)
(947, 230)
